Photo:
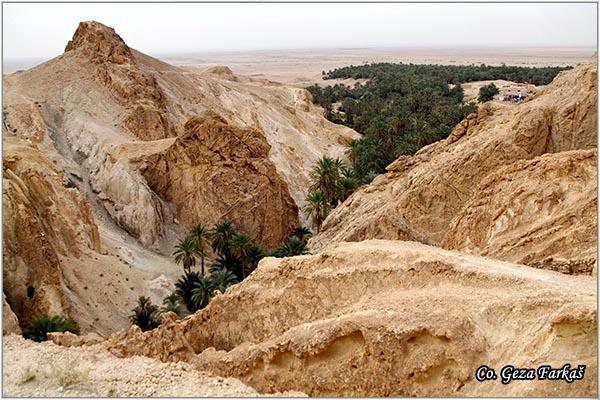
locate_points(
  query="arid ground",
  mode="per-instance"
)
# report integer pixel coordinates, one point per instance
(304, 67)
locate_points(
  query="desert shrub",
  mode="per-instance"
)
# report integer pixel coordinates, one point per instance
(40, 326)
(487, 92)
(69, 374)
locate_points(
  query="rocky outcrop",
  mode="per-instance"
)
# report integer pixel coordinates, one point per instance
(80, 118)
(420, 196)
(539, 212)
(45, 370)
(385, 318)
(10, 323)
(127, 198)
(44, 219)
(81, 108)
(216, 170)
(116, 68)
(69, 339)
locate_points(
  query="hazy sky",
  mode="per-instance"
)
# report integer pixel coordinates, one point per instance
(42, 30)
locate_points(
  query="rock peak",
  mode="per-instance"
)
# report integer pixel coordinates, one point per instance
(100, 43)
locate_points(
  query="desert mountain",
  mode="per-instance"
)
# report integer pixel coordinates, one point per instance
(110, 157)
(476, 190)
(385, 318)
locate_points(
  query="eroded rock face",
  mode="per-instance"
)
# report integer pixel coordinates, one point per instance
(419, 196)
(217, 170)
(116, 68)
(85, 111)
(385, 318)
(10, 323)
(539, 212)
(43, 219)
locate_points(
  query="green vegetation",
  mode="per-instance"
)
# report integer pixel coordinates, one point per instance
(185, 252)
(145, 314)
(184, 287)
(201, 292)
(401, 108)
(221, 279)
(317, 207)
(202, 236)
(451, 74)
(331, 183)
(173, 303)
(236, 256)
(487, 92)
(195, 290)
(292, 246)
(41, 325)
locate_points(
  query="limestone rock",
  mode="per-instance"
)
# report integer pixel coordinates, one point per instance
(539, 212)
(43, 220)
(218, 170)
(117, 69)
(34, 369)
(10, 323)
(82, 108)
(96, 113)
(386, 318)
(69, 339)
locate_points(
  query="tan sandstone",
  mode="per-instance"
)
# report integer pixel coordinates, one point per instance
(385, 318)
(539, 212)
(217, 170)
(95, 113)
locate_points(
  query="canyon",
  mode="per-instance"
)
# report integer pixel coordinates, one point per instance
(479, 249)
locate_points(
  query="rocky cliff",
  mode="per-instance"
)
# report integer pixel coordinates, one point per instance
(540, 212)
(216, 170)
(386, 318)
(421, 195)
(90, 223)
(44, 218)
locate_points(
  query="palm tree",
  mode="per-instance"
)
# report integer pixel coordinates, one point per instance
(230, 263)
(255, 254)
(353, 151)
(222, 234)
(185, 252)
(145, 314)
(201, 293)
(293, 246)
(325, 177)
(221, 279)
(242, 246)
(302, 233)
(184, 287)
(347, 187)
(202, 235)
(172, 303)
(317, 207)
(39, 327)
